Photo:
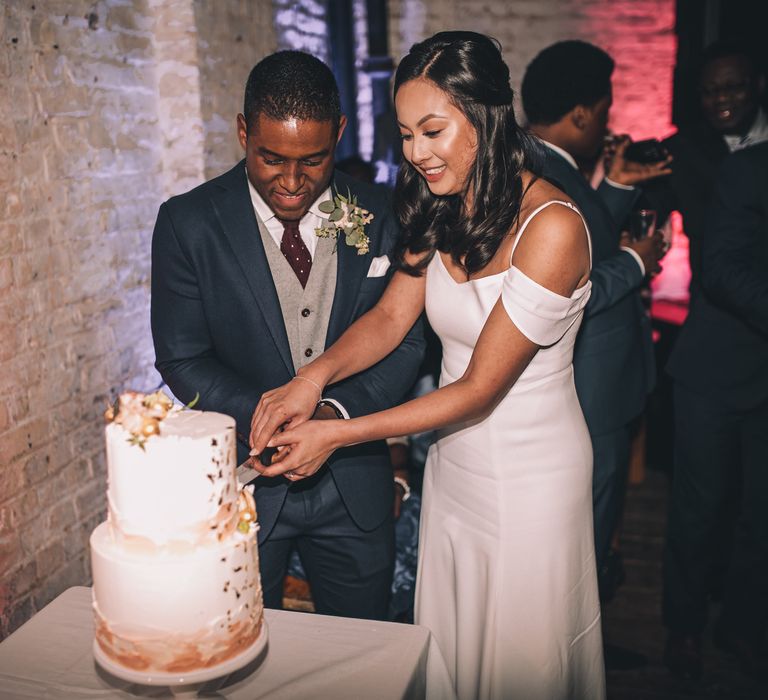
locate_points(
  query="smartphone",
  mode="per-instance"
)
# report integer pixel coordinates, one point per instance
(648, 151)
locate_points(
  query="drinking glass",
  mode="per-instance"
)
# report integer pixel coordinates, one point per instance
(642, 223)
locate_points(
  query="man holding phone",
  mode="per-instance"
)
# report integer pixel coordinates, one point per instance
(718, 362)
(567, 96)
(730, 89)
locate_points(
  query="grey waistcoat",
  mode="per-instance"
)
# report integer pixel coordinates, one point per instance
(306, 312)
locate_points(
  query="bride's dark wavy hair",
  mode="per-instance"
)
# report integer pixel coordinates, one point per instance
(469, 68)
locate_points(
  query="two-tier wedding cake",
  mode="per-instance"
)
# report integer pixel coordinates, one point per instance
(176, 585)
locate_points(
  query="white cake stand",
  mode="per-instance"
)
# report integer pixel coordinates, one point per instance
(183, 684)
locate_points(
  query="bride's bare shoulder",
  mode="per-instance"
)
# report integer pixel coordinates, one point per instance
(554, 250)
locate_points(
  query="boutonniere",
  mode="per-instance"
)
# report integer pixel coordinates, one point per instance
(346, 217)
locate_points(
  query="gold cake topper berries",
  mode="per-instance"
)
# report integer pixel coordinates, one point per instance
(345, 217)
(141, 414)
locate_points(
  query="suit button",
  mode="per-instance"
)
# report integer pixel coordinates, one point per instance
(308, 352)
(305, 312)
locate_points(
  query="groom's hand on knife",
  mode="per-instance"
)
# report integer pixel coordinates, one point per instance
(293, 402)
(269, 461)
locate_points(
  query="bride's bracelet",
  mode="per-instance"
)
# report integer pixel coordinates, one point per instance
(313, 383)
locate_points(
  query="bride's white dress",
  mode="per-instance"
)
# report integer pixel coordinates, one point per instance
(506, 579)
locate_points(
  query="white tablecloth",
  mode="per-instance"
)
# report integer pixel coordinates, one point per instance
(308, 656)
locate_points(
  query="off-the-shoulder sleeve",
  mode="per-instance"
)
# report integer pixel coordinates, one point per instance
(542, 315)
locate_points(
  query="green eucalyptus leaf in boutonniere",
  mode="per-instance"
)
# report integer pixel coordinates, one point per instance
(327, 206)
(345, 216)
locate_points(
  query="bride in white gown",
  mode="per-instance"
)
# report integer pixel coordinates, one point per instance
(501, 261)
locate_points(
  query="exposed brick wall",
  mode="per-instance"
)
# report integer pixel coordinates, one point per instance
(108, 108)
(177, 108)
(232, 37)
(80, 170)
(639, 34)
(364, 92)
(300, 24)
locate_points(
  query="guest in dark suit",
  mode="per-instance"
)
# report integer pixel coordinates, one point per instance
(729, 87)
(244, 293)
(720, 366)
(566, 94)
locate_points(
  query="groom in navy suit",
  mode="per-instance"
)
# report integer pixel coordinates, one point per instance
(244, 292)
(566, 94)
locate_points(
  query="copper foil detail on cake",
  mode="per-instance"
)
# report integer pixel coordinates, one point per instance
(177, 653)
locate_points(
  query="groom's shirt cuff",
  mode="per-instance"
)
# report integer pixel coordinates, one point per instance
(341, 408)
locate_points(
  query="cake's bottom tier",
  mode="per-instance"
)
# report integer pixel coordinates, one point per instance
(175, 609)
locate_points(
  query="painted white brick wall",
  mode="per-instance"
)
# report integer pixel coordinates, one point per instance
(108, 108)
(300, 25)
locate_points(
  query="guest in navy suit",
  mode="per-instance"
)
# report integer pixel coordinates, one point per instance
(567, 96)
(729, 86)
(244, 293)
(720, 368)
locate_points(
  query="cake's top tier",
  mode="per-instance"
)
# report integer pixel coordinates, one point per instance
(175, 485)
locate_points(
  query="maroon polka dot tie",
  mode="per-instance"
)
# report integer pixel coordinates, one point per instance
(296, 253)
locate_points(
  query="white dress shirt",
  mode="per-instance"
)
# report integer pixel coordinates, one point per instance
(757, 133)
(313, 219)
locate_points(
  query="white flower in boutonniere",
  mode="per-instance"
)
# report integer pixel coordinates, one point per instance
(347, 217)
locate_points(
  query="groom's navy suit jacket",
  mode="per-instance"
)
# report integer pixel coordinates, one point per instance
(613, 358)
(218, 328)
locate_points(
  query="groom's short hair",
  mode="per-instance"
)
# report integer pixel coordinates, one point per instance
(291, 84)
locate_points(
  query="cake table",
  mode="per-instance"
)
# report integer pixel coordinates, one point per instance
(307, 655)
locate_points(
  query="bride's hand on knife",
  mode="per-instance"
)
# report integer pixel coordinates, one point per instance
(292, 403)
(302, 449)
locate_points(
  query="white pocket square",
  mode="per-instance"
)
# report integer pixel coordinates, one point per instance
(379, 266)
